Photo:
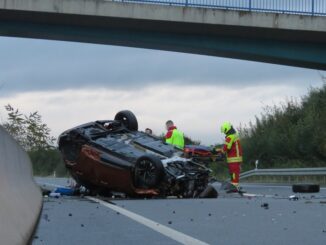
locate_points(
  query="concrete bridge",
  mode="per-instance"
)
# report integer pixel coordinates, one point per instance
(296, 40)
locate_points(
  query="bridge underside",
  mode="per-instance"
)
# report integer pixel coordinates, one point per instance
(287, 47)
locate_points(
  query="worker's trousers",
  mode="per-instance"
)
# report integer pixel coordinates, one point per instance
(234, 170)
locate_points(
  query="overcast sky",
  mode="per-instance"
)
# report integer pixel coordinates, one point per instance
(72, 83)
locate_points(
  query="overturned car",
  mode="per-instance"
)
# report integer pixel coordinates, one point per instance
(113, 156)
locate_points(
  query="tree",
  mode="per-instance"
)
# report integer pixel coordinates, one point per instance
(35, 137)
(292, 134)
(29, 130)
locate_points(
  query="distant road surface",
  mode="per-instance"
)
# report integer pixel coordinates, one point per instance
(229, 219)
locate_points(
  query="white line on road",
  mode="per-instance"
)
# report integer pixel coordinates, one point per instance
(164, 230)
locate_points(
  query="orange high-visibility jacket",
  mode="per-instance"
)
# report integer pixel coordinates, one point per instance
(233, 149)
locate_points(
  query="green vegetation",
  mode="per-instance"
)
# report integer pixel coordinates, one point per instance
(35, 137)
(292, 134)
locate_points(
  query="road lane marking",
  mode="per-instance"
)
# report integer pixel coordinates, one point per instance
(164, 230)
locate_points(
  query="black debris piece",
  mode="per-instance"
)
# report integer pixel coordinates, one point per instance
(82, 225)
(46, 217)
(70, 214)
(305, 188)
(118, 213)
(173, 212)
(170, 222)
(209, 214)
(293, 198)
(265, 205)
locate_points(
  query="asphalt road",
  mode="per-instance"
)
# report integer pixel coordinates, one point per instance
(229, 219)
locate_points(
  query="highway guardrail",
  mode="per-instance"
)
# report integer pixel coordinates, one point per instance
(286, 175)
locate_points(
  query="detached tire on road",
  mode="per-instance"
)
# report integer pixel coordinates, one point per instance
(305, 188)
(148, 171)
(128, 119)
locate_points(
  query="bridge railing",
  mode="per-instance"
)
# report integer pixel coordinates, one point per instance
(302, 7)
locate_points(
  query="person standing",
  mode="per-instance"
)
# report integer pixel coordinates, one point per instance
(233, 151)
(174, 136)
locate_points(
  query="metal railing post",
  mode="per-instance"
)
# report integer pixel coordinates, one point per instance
(249, 5)
(186, 3)
(312, 7)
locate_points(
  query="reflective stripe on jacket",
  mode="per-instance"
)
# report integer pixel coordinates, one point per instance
(175, 137)
(232, 148)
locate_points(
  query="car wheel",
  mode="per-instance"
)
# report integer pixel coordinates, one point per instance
(209, 192)
(128, 119)
(148, 171)
(306, 188)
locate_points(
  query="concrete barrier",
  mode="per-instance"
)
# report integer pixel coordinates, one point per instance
(20, 197)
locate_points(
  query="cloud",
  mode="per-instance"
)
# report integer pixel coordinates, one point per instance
(39, 65)
(198, 110)
(73, 83)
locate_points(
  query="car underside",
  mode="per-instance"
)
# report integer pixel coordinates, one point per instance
(113, 156)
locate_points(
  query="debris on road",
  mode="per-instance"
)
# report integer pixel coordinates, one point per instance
(55, 195)
(293, 198)
(65, 191)
(46, 217)
(265, 205)
(305, 188)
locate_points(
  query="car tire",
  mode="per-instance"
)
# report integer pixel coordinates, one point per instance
(148, 171)
(128, 119)
(306, 188)
(209, 192)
